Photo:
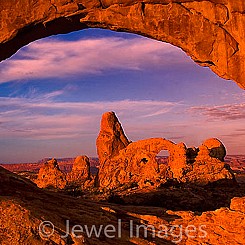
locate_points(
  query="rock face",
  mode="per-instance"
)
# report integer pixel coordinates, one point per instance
(238, 204)
(51, 176)
(135, 163)
(211, 32)
(80, 170)
(22, 210)
(215, 148)
(220, 225)
(111, 138)
(21, 204)
(209, 164)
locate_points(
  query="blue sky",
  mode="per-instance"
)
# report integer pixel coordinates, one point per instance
(54, 91)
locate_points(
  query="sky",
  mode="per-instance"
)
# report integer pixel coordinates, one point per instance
(54, 91)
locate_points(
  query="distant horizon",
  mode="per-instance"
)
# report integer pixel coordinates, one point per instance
(54, 91)
(60, 158)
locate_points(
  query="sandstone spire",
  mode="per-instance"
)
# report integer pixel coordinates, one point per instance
(111, 138)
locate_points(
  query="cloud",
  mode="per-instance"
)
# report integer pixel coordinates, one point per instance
(234, 135)
(45, 118)
(47, 125)
(159, 112)
(54, 58)
(221, 112)
(239, 132)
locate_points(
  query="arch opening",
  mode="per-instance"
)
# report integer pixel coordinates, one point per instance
(126, 91)
(163, 157)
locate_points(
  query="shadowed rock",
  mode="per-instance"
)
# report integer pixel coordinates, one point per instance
(22, 211)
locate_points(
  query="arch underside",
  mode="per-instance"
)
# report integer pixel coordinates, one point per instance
(210, 32)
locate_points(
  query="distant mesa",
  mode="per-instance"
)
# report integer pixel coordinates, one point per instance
(124, 162)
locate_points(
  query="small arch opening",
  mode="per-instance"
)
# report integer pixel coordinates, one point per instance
(162, 157)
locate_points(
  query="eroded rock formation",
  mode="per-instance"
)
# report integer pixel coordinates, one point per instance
(136, 163)
(51, 176)
(111, 138)
(212, 227)
(80, 170)
(211, 32)
(209, 164)
(22, 211)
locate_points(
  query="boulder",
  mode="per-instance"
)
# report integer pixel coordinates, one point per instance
(238, 204)
(216, 148)
(209, 165)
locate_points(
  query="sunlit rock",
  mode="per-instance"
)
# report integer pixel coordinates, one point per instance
(80, 170)
(50, 175)
(210, 32)
(135, 163)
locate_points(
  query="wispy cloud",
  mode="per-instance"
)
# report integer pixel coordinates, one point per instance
(159, 112)
(234, 135)
(45, 118)
(221, 112)
(62, 59)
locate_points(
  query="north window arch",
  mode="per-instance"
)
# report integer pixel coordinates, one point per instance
(208, 40)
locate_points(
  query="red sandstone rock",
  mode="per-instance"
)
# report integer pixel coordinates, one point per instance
(80, 170)
(51, 176)
(238, 204)
(211, 32)
(208, 165)
(22, 210)
(222, 226)
(135, 163)
(111, 138)
(216, 148)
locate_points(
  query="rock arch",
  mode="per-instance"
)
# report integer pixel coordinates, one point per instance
(211, 32)
(128, 163)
